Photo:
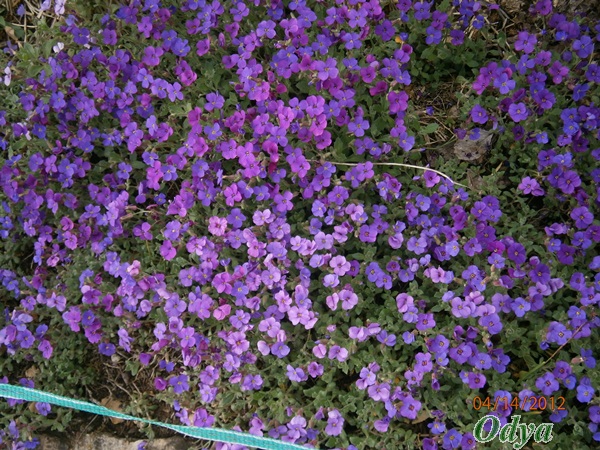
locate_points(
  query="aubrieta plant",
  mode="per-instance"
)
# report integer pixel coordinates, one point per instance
(209, 197)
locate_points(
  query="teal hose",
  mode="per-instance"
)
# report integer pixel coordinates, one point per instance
(210, 434)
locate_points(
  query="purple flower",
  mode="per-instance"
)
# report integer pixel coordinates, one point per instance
(476, 380)
(529, 185)
(492, 322)
(516, 252)
(582, 217)
(518, 112)
(358, 126)
(452, 439)
(152, 56)
(335, 423)
(280, 350)
(315, 369)
(167, 251)
(172, 230)
(410, 408)
(425, 321)
(382, 425)
(587, 358)
(437, 427)
(434, 36)
(547, 384)
(379, 392)
(583, 46)
(339, 353)
(251, 382)
(525, 42)
(398, 101)
(558, 333)
(107, 349)
(203, 419)
(367, 378)
(406, 141)
(479, 114)
(43, 408)
(214, 101)
(386, 338)
(239, 343)
(296, 428)
(417, 245)
(585, 392)
(179, 383)
(283, 201)
(504, 83)
(423, 362)
(520, 306)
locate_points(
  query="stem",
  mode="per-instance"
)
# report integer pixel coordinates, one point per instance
(399, 165)
(539, 366)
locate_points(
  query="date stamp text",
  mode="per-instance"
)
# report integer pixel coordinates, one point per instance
(528, 403)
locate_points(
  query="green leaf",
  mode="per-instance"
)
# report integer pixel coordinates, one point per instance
(430, 128)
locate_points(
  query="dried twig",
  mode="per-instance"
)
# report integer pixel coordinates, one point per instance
(398, 165)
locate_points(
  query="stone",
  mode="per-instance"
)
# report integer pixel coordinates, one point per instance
(105, 441)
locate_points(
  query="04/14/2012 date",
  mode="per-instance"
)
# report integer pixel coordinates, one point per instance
(533, 403)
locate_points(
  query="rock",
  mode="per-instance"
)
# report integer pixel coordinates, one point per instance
(103, 441)
(471, 150)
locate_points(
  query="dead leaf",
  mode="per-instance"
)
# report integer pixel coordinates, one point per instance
(422, 417)
(32, 372)
(10, 33)
(115, 405)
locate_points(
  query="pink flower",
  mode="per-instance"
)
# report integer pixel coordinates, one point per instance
(222, 312)
(339, 265)
(217, 226)
(339, 353)
(529, 185)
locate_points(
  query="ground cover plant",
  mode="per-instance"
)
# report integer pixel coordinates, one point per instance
(239, 214)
